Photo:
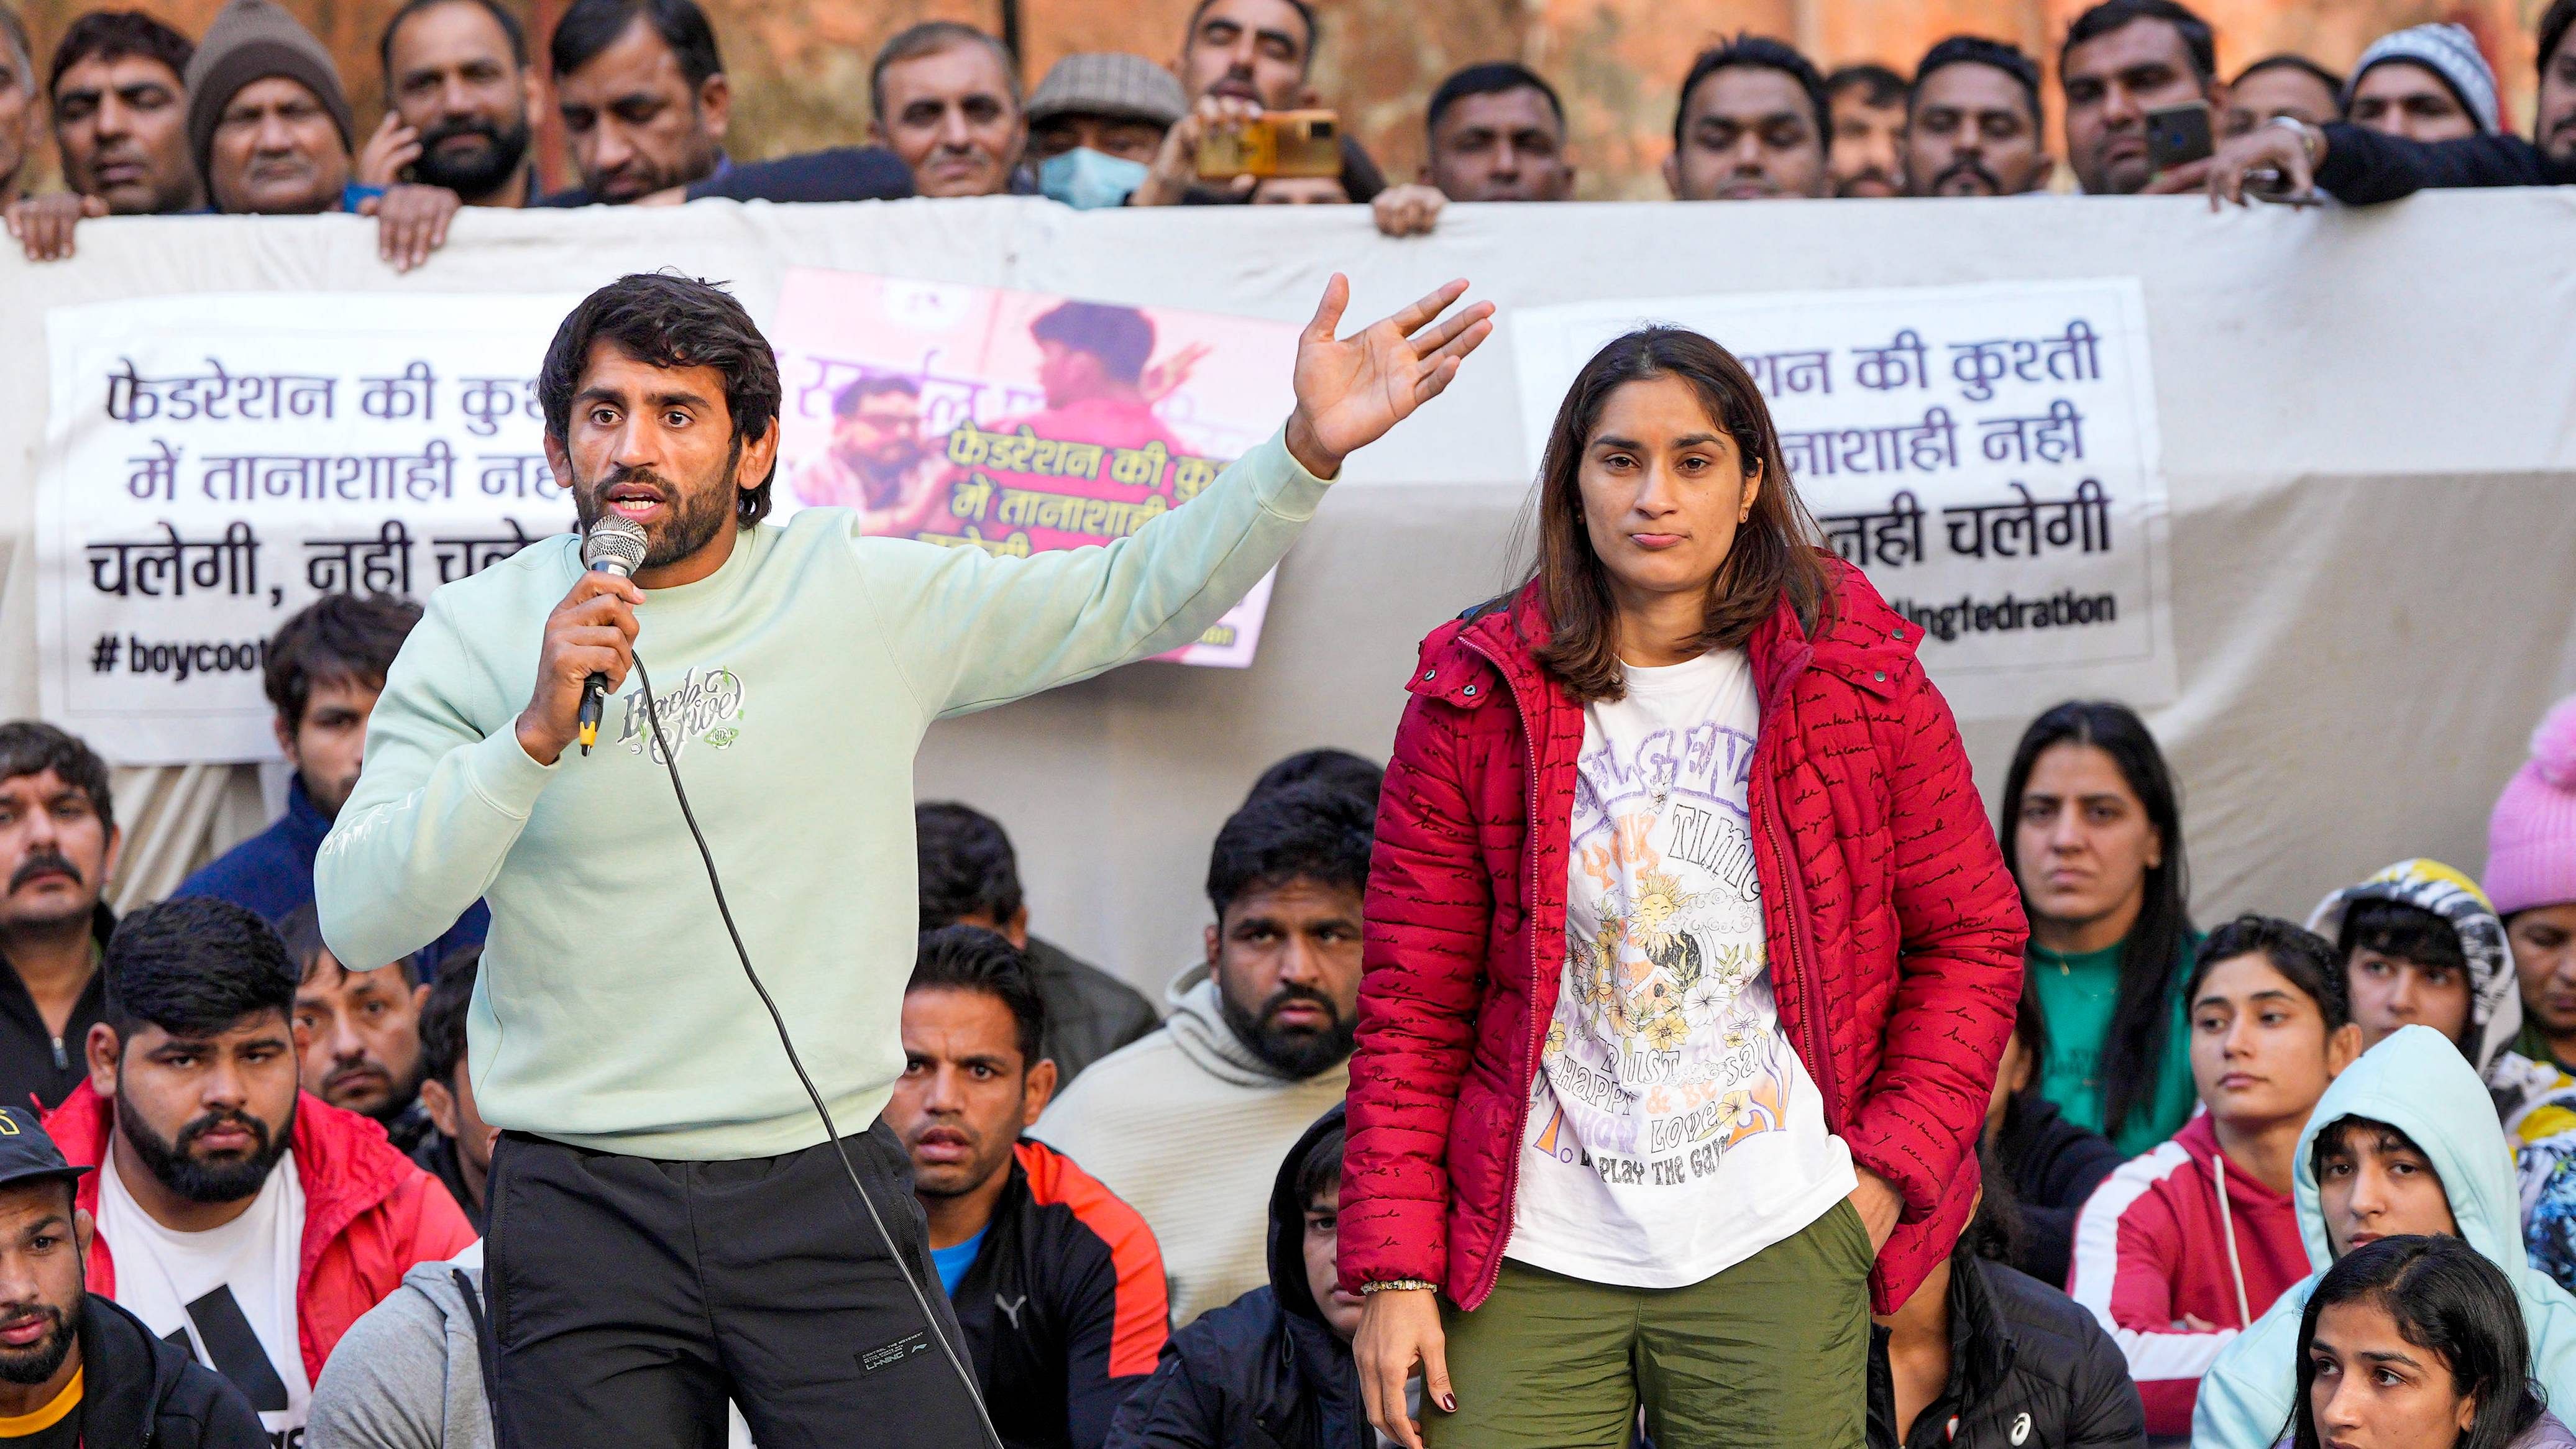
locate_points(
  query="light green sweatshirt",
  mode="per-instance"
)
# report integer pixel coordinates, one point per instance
(795, 683)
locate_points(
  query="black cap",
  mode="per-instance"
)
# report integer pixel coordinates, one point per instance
(26, 1153)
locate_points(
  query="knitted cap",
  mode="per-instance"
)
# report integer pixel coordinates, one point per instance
(1108, 83)
(2448, 51)
(2531, 838)
(252, 40)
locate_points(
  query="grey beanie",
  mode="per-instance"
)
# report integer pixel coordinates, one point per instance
(252, 40)
(2448, 51)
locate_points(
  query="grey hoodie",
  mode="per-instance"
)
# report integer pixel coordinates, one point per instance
(409, 1374)
(1187, 1124)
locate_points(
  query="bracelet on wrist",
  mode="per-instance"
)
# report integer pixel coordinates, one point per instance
(2311, 138)
(1394, 1284)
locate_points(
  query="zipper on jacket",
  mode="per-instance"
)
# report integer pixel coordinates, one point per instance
(1529, 913)
(62, 1063)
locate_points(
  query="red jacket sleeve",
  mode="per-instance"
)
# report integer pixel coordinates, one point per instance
(2129, 1248)
(1429, 917)
(1959, 961)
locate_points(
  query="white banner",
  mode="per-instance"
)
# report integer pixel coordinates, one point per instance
(212, 465)
(2368, 560)
(1987, 453)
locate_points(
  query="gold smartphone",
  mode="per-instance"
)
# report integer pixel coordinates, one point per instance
(1279, 143)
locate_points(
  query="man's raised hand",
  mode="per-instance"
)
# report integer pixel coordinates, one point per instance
(1350, 390)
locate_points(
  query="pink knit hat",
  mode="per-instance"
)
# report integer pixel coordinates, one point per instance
(2531, 838)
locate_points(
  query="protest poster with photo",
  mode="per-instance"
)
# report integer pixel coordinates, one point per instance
(214, 463)
(1016, 422)
(1987, 453)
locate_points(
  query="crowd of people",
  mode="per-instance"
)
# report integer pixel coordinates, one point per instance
(253, 118)
(274, 1159)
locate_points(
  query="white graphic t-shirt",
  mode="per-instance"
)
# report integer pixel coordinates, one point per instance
(1673, 1132)
(228, 1292)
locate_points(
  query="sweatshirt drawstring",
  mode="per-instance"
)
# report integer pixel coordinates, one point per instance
(2227, 1230)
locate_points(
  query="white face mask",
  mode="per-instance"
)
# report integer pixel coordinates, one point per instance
(1085, 179)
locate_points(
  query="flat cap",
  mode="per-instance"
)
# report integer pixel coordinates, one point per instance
(1108, 83)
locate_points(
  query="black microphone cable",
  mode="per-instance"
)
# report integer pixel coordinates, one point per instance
(831, 1133)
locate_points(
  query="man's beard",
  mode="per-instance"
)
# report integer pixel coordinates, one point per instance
(1294, 1053)
(400, 1092)
(40, 1361)
(476, 173)
(696, 516)
(196, 1180)
(406, 1092)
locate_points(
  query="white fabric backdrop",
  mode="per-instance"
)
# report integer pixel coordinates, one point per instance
(2368, 424)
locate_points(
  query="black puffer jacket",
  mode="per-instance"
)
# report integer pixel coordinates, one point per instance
(138, 1392)
(1263, 1372)
(2055, 1166)
(2028, 1370)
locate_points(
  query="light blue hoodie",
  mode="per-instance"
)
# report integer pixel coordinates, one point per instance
(2417, 1082)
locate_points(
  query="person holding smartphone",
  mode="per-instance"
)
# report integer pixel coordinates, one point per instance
(2122, 61)
(1238, 60)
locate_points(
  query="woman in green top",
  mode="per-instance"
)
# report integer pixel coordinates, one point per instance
(2092, 830)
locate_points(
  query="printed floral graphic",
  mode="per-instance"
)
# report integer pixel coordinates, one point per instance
(1662, 1055)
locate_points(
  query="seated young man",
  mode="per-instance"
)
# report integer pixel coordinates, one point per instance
(2421, 945)
(1056, 1282)
(236, 1215)
(1274, 1366)
(2401, 1143)
(76, 1369)
(1188, 1123)
(2183, 1248)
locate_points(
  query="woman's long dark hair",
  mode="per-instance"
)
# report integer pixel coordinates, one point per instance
(1775, 552)
(2152, 958)
(2446, 1297)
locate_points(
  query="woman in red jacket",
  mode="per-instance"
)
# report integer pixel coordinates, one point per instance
(1689, 956)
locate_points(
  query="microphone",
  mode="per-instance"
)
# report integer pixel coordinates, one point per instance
(614, 545)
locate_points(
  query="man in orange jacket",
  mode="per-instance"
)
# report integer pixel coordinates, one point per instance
(257, 1221)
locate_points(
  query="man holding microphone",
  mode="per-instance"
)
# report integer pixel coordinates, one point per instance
(669, 1226)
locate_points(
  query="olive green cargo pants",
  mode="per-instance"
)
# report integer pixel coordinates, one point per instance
(1773, 1351)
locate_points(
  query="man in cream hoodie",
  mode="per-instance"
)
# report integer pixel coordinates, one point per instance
(668, 1224)
(1189, 1123)
(2405, 1141)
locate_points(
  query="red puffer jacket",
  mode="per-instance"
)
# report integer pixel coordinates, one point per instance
(1894, 934)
